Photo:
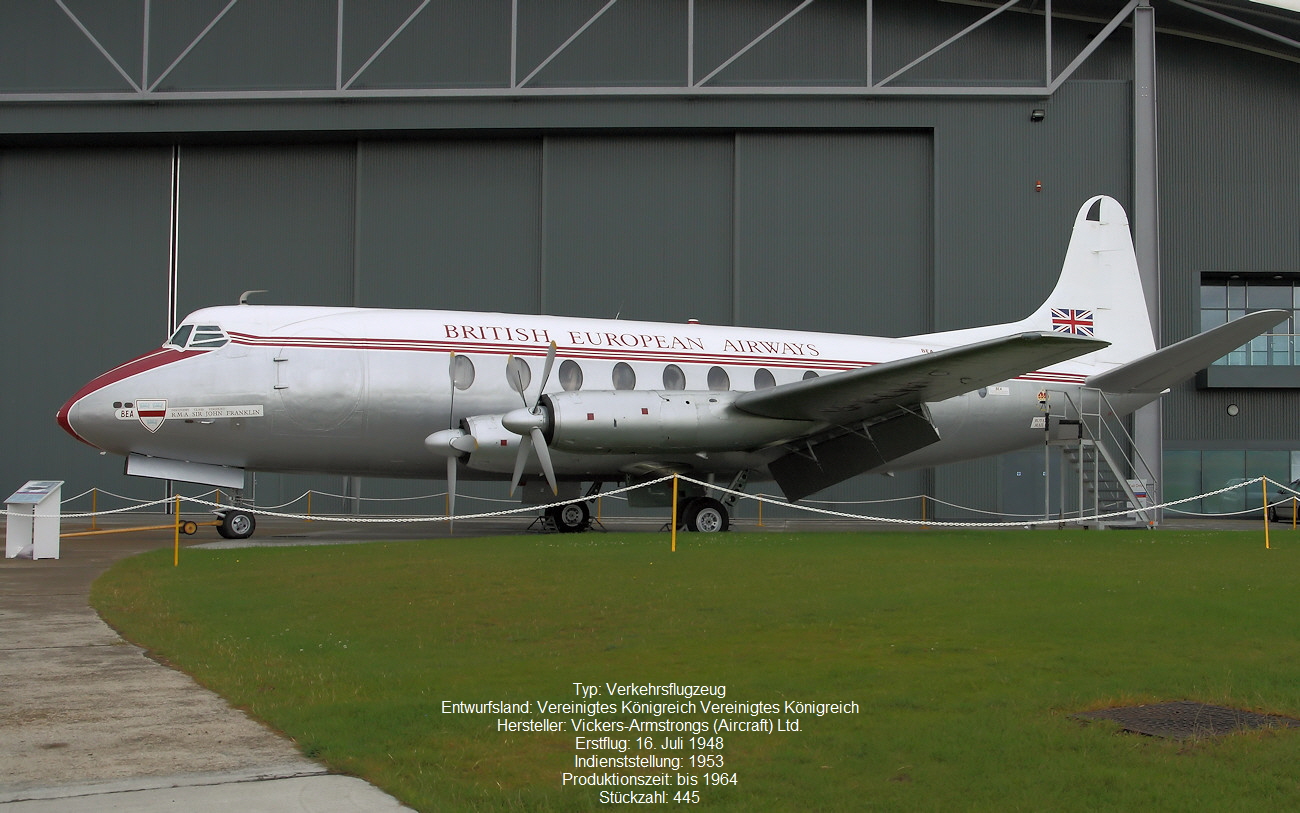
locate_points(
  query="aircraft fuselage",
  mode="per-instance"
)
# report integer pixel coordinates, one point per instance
(357, 391)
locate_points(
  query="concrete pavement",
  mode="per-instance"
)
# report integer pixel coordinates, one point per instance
(89, 722)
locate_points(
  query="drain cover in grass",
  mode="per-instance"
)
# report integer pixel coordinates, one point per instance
(1184, 719)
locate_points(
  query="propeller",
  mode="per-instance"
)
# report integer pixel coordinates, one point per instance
(451, 443)
(528, 423)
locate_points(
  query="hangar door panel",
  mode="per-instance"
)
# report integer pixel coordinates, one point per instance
(449, 224)
(835, 232)
(274, 218)
(638, 227)
(83, 253)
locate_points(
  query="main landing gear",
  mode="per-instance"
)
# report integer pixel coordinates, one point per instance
(707, 515)
(236, 524)
(703, 514)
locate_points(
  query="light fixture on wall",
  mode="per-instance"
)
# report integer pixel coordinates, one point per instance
(1037, 114)
(1233, 410)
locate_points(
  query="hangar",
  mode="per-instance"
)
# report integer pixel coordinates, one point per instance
(867, 166)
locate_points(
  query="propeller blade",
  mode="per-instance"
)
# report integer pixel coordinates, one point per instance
(451, 376)
(518, 383)
(451, 494)
(544, 457)
(526, 423)
(525, 445)
(451, 458)
(546, 373)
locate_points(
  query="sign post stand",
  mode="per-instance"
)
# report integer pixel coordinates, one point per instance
(34, 516)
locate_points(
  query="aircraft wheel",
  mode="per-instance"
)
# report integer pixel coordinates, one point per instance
(237, 525)
(570, 518)
(706, 515)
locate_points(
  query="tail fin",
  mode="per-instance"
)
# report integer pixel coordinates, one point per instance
(1099, 293)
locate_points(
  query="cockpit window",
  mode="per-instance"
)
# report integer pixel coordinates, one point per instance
(203, 337)
(207, 337)
(181, 336)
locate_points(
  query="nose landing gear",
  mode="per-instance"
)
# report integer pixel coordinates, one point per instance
(571, 518)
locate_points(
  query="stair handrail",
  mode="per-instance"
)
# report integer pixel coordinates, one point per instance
(1104, 431)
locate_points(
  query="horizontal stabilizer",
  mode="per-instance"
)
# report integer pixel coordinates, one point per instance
(1158, 371)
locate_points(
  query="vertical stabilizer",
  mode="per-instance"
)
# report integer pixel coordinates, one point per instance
(1099, 293)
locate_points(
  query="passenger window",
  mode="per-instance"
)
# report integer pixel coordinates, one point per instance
(570, 375)
(624, 376)
(180, 337)
(718, 379)
(674, 378)
(518, 373)
(462, 372)
(763, 379)
(810, 374)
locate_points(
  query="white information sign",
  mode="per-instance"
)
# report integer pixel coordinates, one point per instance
(32, 529)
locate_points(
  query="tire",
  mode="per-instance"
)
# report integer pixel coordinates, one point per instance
(684, 511)
(237, 525)
(571, 518)
(706, 515)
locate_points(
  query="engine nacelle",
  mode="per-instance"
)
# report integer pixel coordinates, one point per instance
(496, 447)
(650, 421)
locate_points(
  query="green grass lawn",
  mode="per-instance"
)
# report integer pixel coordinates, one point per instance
(966, 652)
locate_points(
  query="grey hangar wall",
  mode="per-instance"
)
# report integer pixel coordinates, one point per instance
(890, 215)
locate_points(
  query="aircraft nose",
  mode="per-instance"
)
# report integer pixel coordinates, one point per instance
(72, 417)
(89, 415)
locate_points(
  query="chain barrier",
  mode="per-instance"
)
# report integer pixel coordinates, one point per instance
(950, 524)
(1038, 520)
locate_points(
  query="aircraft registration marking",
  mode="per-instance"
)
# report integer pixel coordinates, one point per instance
(189, 413)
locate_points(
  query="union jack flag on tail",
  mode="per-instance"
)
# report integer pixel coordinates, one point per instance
(1072, 321)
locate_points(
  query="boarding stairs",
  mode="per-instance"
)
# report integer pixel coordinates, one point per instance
(1100, 470)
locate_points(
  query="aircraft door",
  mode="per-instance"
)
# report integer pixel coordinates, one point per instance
(319, 390)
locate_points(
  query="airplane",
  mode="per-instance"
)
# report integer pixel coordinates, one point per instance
(446, 394)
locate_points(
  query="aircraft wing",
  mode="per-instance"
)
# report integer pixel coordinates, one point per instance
(870, 392)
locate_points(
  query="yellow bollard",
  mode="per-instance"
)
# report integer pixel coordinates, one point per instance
(923, 517)
(94, 508)
(673, 521)
(176, 549)
(309, 505)
(1264, 484)
(760, 512)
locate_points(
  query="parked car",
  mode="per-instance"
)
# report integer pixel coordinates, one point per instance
(1284, 503)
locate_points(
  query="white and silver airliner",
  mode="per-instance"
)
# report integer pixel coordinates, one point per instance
(432, 394)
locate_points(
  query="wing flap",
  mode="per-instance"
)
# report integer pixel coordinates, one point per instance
(876, 390)
(824, 463)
